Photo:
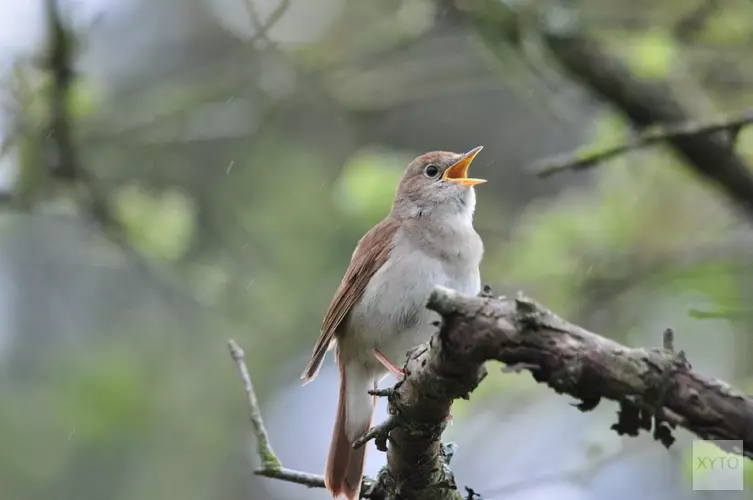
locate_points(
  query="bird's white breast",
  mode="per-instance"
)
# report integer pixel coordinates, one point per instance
(392, 316)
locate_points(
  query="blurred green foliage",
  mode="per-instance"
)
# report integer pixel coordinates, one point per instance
(128, 381)
(161, 226)
(728, 26)
(366, 186)
(653, 55)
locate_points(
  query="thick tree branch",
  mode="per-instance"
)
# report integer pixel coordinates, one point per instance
(654, 386)
(656, 389)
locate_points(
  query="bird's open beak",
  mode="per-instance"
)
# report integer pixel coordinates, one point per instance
(458, 171)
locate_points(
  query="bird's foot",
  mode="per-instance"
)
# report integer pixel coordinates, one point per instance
(380, 434)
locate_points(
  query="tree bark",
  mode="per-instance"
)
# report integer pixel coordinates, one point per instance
(657, 390)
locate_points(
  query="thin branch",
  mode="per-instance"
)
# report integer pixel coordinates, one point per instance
(253, 14)
(644, 103)
(67, 165)
(293, 476)
(262, 28)
(270, 464)
(59, 58)
(711, 155)
(266, 454)
(650, 136)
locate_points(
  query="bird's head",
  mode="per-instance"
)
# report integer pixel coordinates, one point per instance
(438, 181)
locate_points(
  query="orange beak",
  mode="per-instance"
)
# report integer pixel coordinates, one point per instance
(458, 171)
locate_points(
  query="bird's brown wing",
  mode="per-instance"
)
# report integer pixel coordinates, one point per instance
(370, 254)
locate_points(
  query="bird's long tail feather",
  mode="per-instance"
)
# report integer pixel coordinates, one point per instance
(355, 410)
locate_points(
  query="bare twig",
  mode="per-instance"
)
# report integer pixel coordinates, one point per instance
(293, 476)
(270, 464)
(262, 28)
(668, 341)
(652, 135)
(266, 454)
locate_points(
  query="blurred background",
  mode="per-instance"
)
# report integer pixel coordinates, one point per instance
(175, 173)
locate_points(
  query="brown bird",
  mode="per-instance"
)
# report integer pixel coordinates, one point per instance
(378, 312)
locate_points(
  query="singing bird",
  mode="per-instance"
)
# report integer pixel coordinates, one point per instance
(378, 312)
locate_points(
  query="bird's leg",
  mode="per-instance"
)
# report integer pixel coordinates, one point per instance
(397, 372)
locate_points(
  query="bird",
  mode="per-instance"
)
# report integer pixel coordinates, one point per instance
(378, 312)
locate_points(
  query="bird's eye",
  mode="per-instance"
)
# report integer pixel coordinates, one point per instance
(431, 171)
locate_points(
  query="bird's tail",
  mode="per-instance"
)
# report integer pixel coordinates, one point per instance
(355, 410)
